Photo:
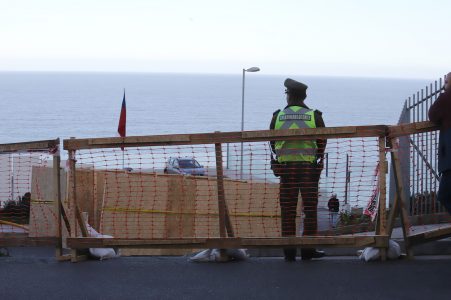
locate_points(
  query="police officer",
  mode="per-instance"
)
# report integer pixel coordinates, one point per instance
(302, 162)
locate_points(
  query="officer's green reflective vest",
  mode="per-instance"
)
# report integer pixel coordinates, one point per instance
(294, 117)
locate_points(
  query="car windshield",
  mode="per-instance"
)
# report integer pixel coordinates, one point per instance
(188, 163)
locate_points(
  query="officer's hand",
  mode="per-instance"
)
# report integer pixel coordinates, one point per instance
(320, 163)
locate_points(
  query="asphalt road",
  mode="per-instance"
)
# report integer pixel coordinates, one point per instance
(34, 274)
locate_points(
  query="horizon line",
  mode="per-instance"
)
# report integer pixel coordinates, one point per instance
(213, 73)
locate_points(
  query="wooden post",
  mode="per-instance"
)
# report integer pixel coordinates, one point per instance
(57, 197)
(399, 205)
(224, 218)
(76, 214)
(393, 213)
(382, 214)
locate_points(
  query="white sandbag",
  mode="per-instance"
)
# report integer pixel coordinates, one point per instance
(101, 253)
(371, 253)
(237, 254)
(214, 255)
(202, 256)
(394, 250)
(91, 231)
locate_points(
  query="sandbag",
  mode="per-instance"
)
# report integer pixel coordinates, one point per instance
(214, 255)
(372, 253)
(101, 253)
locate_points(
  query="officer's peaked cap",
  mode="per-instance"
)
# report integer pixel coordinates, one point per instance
(295, 87)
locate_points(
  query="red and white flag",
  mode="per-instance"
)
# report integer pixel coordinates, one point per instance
(121, 128)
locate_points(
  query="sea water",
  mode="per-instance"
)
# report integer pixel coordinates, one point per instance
(40, 106)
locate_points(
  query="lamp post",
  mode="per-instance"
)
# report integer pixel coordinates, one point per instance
(253, 69)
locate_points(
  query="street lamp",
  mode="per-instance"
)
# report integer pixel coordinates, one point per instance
(253, 69)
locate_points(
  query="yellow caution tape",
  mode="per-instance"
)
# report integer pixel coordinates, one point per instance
(171, 212)
(13, 224)
(42, 201)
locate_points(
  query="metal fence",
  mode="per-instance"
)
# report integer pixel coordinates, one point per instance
(418, 154)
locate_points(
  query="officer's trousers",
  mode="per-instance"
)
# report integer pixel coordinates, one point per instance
(303, 178)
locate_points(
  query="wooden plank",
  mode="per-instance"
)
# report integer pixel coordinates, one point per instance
(411, 128)
(354, 241)
(18, 240)
(400, 200)
(76, 212)
(226, 137)
(99, 189)
(58, 203)
(381, 228)
(43, 213)
(221, 193)
(253, 208)
(181, 200)
(86, 192)
(394, 211)
(44, 145)
(382, 216)
(429, 236)
(306, 132)
(135, 205)
(144, 205)
(156, 252)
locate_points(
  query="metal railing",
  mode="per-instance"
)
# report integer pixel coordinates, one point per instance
(418, 154)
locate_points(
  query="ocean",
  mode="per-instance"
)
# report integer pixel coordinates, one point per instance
(39, 106)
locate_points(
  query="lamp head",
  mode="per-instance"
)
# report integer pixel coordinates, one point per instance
(253, 69)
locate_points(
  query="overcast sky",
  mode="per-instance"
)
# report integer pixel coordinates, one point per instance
(383, 38)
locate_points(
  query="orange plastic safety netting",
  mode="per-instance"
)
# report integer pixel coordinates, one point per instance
(27, 199)
(161, 192)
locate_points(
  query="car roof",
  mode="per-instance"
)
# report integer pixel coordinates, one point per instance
(183, 158)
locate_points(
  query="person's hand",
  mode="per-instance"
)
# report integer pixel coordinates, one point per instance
(320, 163)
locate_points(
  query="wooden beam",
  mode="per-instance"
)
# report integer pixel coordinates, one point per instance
(76, 213)
(18, 240)
(226, 137)
(399, 205)
(29, 146)
(224, 218)
(381, 228)
(58, 203)
(382, 213)
(429, 236)
(223, 243)
(411, 128)
(65, 218)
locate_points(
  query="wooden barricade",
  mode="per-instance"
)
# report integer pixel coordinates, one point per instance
(177, 193)
(190, 212)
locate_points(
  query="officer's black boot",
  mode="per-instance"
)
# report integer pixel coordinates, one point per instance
(290, 254)
(309, 253)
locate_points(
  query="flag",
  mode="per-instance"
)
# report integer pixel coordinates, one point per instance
(122, 119)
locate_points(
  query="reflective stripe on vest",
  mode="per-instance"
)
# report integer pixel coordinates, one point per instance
(294, 117)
